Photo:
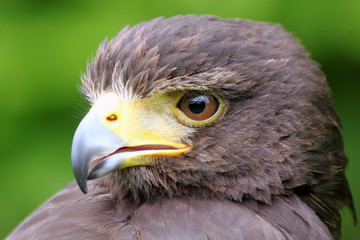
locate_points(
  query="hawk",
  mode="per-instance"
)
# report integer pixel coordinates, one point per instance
(201, 128)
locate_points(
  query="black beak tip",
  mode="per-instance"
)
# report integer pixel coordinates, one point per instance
(80, 174)
(82, 183)
(83, 187)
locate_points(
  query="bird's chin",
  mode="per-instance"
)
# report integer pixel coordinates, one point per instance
(138, 183)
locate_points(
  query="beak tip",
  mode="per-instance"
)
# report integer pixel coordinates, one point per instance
(83, 188)
(81, 182)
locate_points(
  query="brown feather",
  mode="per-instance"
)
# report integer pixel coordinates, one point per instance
(67, 216)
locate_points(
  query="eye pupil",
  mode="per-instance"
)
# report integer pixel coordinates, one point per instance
(197, 104)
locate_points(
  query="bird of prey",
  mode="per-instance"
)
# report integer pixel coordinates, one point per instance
(201, 128)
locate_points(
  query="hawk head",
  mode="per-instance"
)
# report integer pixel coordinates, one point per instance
(194, 105)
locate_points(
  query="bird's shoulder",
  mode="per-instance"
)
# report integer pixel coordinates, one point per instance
(70, 214)
(73, 215)
(196, 218)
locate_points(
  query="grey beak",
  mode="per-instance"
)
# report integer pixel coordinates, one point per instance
(92, 140)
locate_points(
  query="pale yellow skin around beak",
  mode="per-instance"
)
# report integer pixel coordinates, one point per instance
(148, 121)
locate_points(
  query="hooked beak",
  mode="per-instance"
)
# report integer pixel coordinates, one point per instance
(101, 150)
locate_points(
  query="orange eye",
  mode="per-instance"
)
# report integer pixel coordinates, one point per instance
(198, 106)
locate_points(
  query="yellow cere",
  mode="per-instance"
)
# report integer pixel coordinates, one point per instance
(143, 121)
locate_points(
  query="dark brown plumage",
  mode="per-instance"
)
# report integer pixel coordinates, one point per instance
(270, 167)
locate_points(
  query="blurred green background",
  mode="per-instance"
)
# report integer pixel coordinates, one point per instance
(45, 44)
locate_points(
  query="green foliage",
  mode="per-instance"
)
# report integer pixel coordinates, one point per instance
(44, 45)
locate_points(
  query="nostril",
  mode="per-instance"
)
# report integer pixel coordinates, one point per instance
(112, 117)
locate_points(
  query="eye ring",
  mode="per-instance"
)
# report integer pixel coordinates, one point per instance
(198, 106)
